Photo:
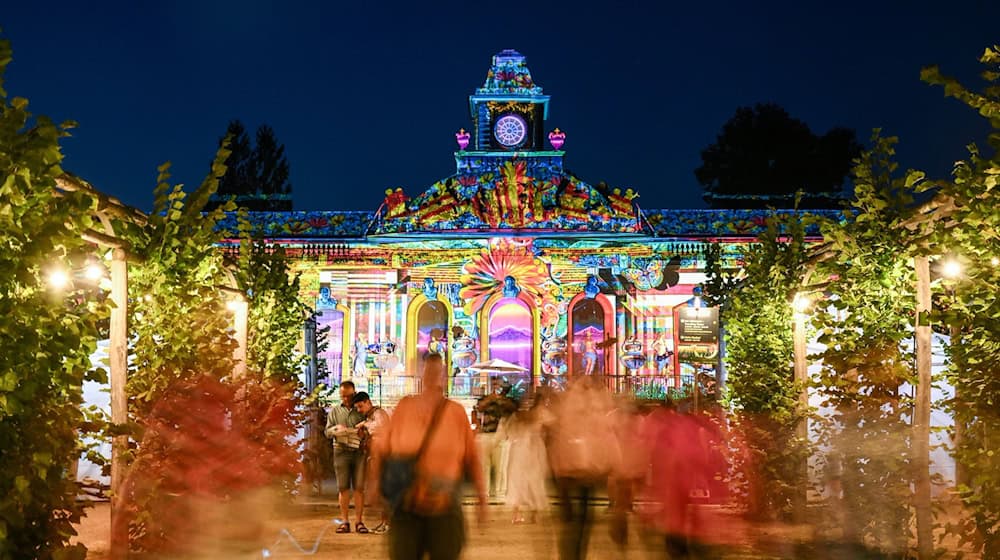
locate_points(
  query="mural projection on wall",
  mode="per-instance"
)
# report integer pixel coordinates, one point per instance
(511, 334)
(432, 329)
(334, 353)
(588, 333)
(655, 332)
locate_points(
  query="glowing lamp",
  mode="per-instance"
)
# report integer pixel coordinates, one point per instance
(93, 272)
(462, 137)
(800, 303)
(58, 279)
(557, 138)
(995, 261)
(951, 268)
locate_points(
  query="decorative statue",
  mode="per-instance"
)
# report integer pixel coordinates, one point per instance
(589, 351)
(325, 298)
(591, 289)
(430, 290)
(510, 289)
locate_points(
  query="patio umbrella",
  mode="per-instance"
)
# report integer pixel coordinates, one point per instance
(497, 366)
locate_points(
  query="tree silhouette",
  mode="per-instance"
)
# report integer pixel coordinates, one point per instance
(257, 175)
(763, 157)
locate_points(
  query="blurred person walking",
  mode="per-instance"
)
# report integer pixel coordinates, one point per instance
(435, 433)
(528, 466)
(683, 466)
(491, 438)
(348, 459)
(583, 451)
(633, 470)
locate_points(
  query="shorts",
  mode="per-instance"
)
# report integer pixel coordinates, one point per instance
(440, 536)
(349, 467)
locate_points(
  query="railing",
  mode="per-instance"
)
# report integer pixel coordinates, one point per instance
(387, 390)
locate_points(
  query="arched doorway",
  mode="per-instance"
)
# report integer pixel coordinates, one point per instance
(427, 326)
(590, 324)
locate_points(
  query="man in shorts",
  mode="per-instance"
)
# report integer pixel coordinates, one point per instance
(348, 459)
(376, 420)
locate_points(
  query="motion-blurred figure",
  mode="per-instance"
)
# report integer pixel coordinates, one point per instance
(625, 481)
(491, 438)
(528, 466)
(685, 462)
(583, 450)
(430, 520)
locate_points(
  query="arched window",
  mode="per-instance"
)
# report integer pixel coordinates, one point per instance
(427, 328)
(432, 329)
(336, 320)
(511, 332)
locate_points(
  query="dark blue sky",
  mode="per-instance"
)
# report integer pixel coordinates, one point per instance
(368, 95)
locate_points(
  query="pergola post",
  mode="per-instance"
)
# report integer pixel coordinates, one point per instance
(240, 309)
(922, 412)
(801, 376)
(118, 358)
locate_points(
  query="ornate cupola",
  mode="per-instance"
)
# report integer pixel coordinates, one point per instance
(505, 177)
(509, 111)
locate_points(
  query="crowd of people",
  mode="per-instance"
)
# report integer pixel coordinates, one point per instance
(578, 442)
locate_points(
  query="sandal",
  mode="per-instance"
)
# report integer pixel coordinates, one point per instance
(360, 528)
(381, 528)
(344, 528)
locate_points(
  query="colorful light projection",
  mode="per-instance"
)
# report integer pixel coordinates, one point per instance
(432, 329)
(511, 332)
(588, 333)
(333, 355)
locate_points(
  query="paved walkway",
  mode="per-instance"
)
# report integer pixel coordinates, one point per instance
(312, 528)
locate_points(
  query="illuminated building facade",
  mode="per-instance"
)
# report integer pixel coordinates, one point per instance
(510, 258)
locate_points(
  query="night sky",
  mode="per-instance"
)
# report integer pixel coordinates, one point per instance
(368, 95)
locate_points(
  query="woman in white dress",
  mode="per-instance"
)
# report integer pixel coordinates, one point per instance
(527, 466)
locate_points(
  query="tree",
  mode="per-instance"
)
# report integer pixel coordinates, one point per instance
(761, 389)
(763, 157)
(47, 334)
(972, 231)
(865, 324)
(256, 176)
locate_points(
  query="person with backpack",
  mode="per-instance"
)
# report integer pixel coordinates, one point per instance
(421, 461)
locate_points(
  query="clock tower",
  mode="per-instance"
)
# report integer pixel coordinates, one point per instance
(509, 111)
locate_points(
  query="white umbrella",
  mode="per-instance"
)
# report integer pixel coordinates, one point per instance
(497, 366)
